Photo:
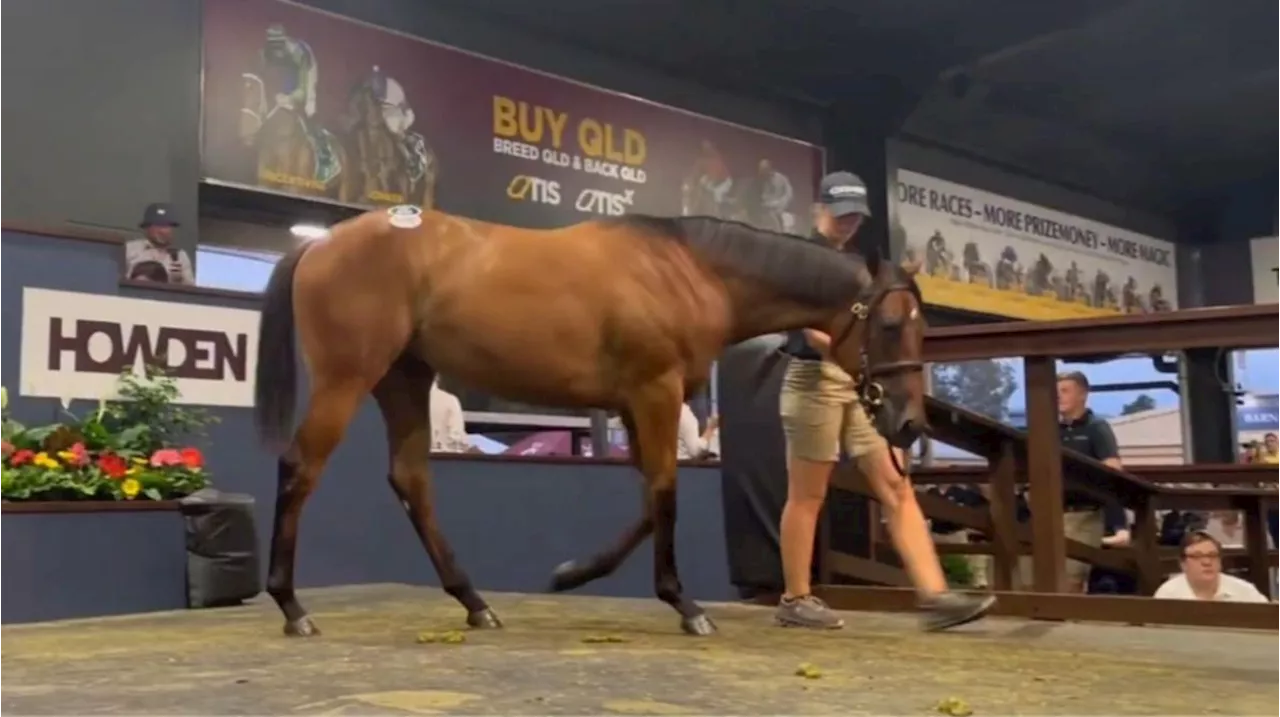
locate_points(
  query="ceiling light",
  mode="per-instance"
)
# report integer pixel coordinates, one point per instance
(309, 231)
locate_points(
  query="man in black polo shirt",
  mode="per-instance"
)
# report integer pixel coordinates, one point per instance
(1083, 432)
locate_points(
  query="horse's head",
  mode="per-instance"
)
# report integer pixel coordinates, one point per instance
(253, 107)
(887, 326)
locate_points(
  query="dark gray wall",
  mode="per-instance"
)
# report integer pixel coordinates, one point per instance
(103, 112)
(510, 522)
(1219, 239)
(107, 105)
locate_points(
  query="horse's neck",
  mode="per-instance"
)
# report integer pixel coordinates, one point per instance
(757, 311)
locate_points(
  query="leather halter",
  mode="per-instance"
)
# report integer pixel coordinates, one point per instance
(870, 392)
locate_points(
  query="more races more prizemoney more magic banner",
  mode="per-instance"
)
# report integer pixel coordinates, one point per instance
(993, 255)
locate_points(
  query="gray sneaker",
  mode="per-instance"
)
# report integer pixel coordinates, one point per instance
(806, 611)
(954, 609)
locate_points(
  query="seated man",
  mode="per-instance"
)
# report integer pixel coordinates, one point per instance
(1202, 577)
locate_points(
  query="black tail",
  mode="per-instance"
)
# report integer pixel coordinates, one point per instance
(276, 389)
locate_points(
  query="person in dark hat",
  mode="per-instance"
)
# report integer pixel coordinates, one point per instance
(821, 416)
(156, 246)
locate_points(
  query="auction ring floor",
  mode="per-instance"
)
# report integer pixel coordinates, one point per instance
(551, 659)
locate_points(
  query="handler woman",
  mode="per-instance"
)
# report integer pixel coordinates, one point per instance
(821, 414)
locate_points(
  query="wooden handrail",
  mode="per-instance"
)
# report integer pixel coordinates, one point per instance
(1228, 327)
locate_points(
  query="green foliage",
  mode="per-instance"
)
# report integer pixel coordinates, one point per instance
(983, 386)
(958, 571)
(1142, 403)
(127, 448)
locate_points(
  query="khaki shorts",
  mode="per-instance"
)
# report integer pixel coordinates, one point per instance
(1082, 526)
(821, 413)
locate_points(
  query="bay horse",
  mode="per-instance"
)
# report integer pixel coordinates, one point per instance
(622, 314)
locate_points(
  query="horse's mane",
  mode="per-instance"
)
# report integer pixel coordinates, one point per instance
(799, 269)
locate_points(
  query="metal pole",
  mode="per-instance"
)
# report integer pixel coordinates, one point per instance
(599, 434)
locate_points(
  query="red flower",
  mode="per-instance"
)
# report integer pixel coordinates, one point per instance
(114, 466)
(22, 456)
(76, 455)
(166, 457)
(191, 458)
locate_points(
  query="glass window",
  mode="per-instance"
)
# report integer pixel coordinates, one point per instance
(234, 269)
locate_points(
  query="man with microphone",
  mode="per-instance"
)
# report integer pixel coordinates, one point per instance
(146, 256)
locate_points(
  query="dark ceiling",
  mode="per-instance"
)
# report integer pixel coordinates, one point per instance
(1160, 104)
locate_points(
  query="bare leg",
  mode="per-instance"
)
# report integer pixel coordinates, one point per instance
(910, 533)
(807, 483)
(907, 526)
(299, 469)
(404, 395)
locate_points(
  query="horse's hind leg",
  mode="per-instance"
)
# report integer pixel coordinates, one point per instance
(331, 409)
(404, 395)
(653, 416)
(574, 573)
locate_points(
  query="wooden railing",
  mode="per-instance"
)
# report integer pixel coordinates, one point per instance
(1035, 457)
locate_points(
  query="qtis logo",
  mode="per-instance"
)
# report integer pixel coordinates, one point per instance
(524, 188)
(609, 204)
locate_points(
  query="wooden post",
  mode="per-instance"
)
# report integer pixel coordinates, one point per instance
(1044, 466)
(1145, 549)
(1255, 542)
(1004, 518)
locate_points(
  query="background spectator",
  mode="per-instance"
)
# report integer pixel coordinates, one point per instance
(155, 248)
(1202, 577)
(448, 424)
(1081, 431)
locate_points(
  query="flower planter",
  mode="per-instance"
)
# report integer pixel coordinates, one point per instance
(91, 558)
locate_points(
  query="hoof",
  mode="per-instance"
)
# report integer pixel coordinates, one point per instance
(484, 619)
(699, 625)
(302, 627)
(565, 577)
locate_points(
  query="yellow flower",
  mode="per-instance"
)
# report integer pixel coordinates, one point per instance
(67, 456)
(43, 460)
(139, 461)
(130, 488)
(131, 471)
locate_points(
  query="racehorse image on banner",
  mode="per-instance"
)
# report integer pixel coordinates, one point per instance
(706, 189)
(1044, 280)
(1104, 294)
(939, 261)
(1009, 274)
(391, 164)
(294, 152)
(624, 314)
(978, 271)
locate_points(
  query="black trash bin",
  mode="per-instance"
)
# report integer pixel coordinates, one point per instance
(222, 549)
